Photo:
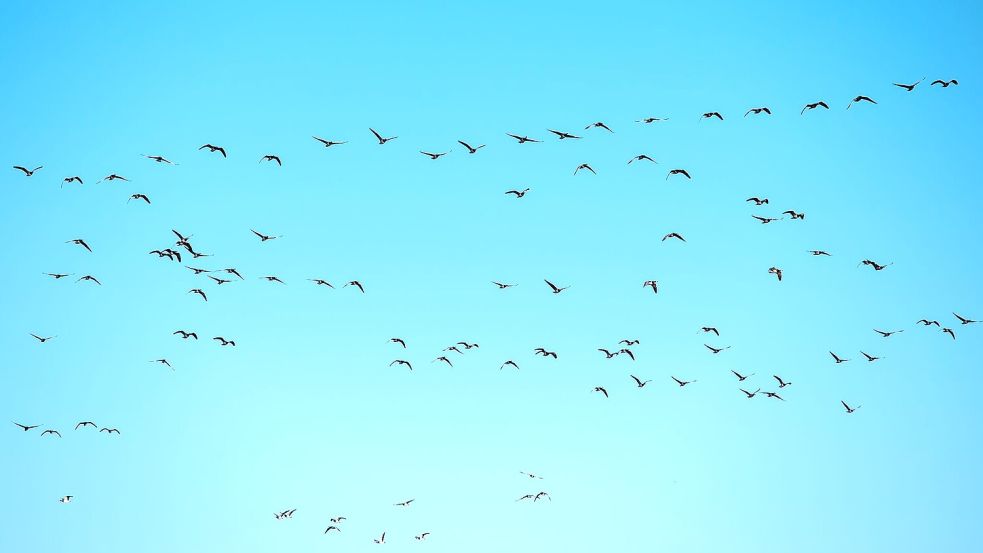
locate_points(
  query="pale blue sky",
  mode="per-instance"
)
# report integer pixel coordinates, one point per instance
(305, 412)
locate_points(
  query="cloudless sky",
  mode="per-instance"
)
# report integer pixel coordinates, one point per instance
(305, 411)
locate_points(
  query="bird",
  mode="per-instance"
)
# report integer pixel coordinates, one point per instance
(272, 279)
(356, 284)
(219, 281)
(85, 423)
(224, 342)
(382, 140)
(795, 215)
(139, 197)
(641, 157)
(337, 520)
(471, 150)
(531, 475)
(945, 84)
(113, 176)
(52, 432)
(909, 87)
(503, 286)
(710, 114)
(750, 394)
(541, 495)
(741, 377)
(233, 271)
(404, 503)
(964, 320)
(756, 200)
(43, 339)
(627, 352)
(421, 537)
(444, 359)
(838, 359)
(601, 390)
(682, 172)
(328, 143)
(271, 157)
(433, 155)
(380, 539)
(848, 408)
(813, 106)
(876, 266)
(109, 431)
(561, 135)
(585, 167)
(651, 284)
(777, 272)
(781, 383)
(682, 382)
(887, 334)
(675, 235)
(709, 329)
(714, 350)
(263, 237)
(638, 382)
(163, 362)
(468, 346)
(69, 180)
(89, 278)
(402, 362)
(185, 335)
(80, 242)
(758, 111)
(198, 271)
(213, 149)
(199, 292)
(608, 354)
(949, 331)
(554, 287)
(858, 99)
(650, 120)
(509, 362)
(598, 125)
(765, 220)
(26, 427)
(330, 528)
(819, 252)
(399, 341)
(927, 322)
(321, 282)
(773, 395)
(455, 349)
(523, 139)
(870, 358)
(160, 159)
(28, 172)
(544, 353)
(518, 193)
(66, 499)
(629, 342)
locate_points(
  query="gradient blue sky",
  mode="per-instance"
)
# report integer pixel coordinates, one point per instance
(305, 413)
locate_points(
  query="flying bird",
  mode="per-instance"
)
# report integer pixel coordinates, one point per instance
(598, 389)
(139, 197)
(444, 359)
(795, 215)
(964, 320)
(949, 331)
(403, 362)
(213, 149)
(404, 503)
(756, 200)
(233, 271)
(639, 383)
(356, 284)
(814, 106)
(819, 252)
(219, 281)
(544, 353)
(874, 264)
(870, 358)
(69, 180)
(765, 220)
(433, 155)
(199, 292)
(682, 382)
(522, 139)
(518, 193)
(224, 341)
(421, 537)
(773, 395)
(66, 499)
(263, 237)
(554, 287)
(909, 87)
(682, 172)
(945, 84)
(185, 335)
(654, 284)
(781, 383)
(714, 350)
(321, 282)
(608, 354)
(887, 334)
(163, 362)
(79, 242)
(777, 272)
(757, 111)
(109, 431)
(585, 167)
(509, 362)
(271, 157)
(629, 342)
(85, 423)
(113, 176)
(25, 427)
(650, 120)
(28, 172)
(471, 150)
(52, 432)
(561, 135)
(710, 114)
(399, 341)
(927, 322)
(709, 329)
(380, 539)
(598, 125)
(750, 394)
(89, 278)
(741, 377)
(502, 286)
(675, 235)
(859, 99)
(328, 143)
(382, 140)
(838, 359)
(43, 339)
(641, 157)
(848, 408)
(160, 159)
(273, 279)
(330, 528)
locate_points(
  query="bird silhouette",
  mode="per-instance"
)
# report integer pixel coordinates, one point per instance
(403, 362)
(160, 159)
(711, 114)
(601, 390)
(650, 120)
(714, 350)
(758, 111)
(329, 143)
(819, 252)
(52, 432)
(471, 150)
(909, 87)
(503, 286)
(654, 285)
(321, 282)
(382, 140)
(741, 377)
(518, 193)
(89, 278)
(638, 382)
(838, 359)
(28, 172)
(887, 334)
(79, 242)
(356, 284)
(945, 84)
(211, 148)
(85, 423)
(598, 125)
(224, 342)
(682, 172)
(43, 339)
(750, 394)
(814, 106)
(858, 99)
(675, 235)
(585, 167)
(509, 363)
(870, 358)
(139, 197)
(399, 341)
(544, 353)
(185, 335)
(444, 359)
(199, 292)
(682, 382)
(848, 408)
(69, 180)
(522, 139)
(641, 157)
(964, 320)
(781, 383)
(432, 155)
(556, 290)
(757, 201)
(271, 157)
(561, 135)
(109, 431)
(25, 427)
(950, 332)
(777, 272)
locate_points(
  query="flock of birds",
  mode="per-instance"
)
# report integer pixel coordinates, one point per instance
(183, 251)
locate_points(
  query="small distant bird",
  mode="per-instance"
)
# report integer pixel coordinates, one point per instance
(608, 354)
(328, 143)
(380, 539)
(273, 279)
(522, 139)
(814, 106)
(561, 135)
(471, 150)
(773, 395)
(422, 536)
(198, 271)
(337, 520)
(219, 281)
(530, 475)
(454, 349)
(330, 528)
(224, 341)
(444, 359)
(682, 382)
(964, 320)
(887, 333)
(234, 271)
(28, 172)
(781, 383)
(404, 503)
(848, 408)
(160, 159)
(777, 272)
(870, 358)
(600, 389)
(927, 322)
(502, 286)
(638, 382)
(403, 362)
(585, 167)
(85, 423)
(356, 284)
(629, 342)
(199, 292)
(113, 176)
(598, 125)
(627, 352)
(69, 180)
(518, 193)
(79, 242)
(399, 341)
(185, 335)
(556, 290)
(714, 350)
(139, 197)
(641, 157)
(214, 149)
(650, 120)
(949, 331)
(544, 353)
(432, 155)
(651, 284)
(163, 362)
(89, 278)
(25, 427)
(945, 84)
(52, 432)
(710, 114)
(874, 264)
(468, 346)
(66, 499)
(757, 201)
(264, 237)
(838, 359)
(43, 339)
(750, 394)
(682, 172)
(109, 431)
(675, 235)
(757, 111)
(271, 157)
(909, 87)
(818, 252)
(382, 140)
(795, 215)
(321, 282)
(741, 377)
(859, 99)
(511, 363)
(709, 329)
(765, 220)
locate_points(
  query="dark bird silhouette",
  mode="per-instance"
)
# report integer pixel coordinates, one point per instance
(682, 382)
(598, 125)
(522, 139)
(264, 237)
(43, 339)
(79, 242)
(28, 172)
(858, 99)
(518, 193)
(741, 377)
(468, 346)
(224, 342)
(795, 215)
(848, 408)
(113, 176)
(233, 271)
(927, 322)
(888, 333)
(337, 520)
(765, 220)
(509, 363)
(185, 334)
(160, 159)
(139, 197)
(109, 431)
(531, 475)
(675, 235)
(404, 503)
(909, 87)
(89, 278)
(433, 155)
(271, 157)
(630, 343)
(356, 284)
(818, 252)
(85, 423)
(964, 320)
(682, 172)
(556, 290)
(402, 362)
(781, 383)
(638, 382)
(380, 539)
(330, 528)
(25, 427)
(709, 329)
(219, 281)
(608, 354)
(714, 350)
(454, 349)
(814, 106)
(444, 359)
(875, 265)
(651, 284)
(69, 180)
(650, 120)
(949, 331)
(945, 84)
(273, 279)
(329, 143)
(773, 395)
(750, 394)
(199, 292)
(777, 272)
(710, 114)
(382, 140)
(627, 352)
(52, 432)
(641, 157)
(198, 271)
(214, 149)
(561, 135)
(502, 286)
(757, 111)
(321, 282)
(585, 167)
(163, 362)
(471, 150)
(421, 537)
(838, 359)
(544, 353)
(399, 341)
(870, 358)
(757, 201)
(599, 389)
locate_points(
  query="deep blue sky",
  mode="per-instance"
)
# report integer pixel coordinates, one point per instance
(305, 412)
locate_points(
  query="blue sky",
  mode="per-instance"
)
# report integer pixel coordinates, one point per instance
(305, 412)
